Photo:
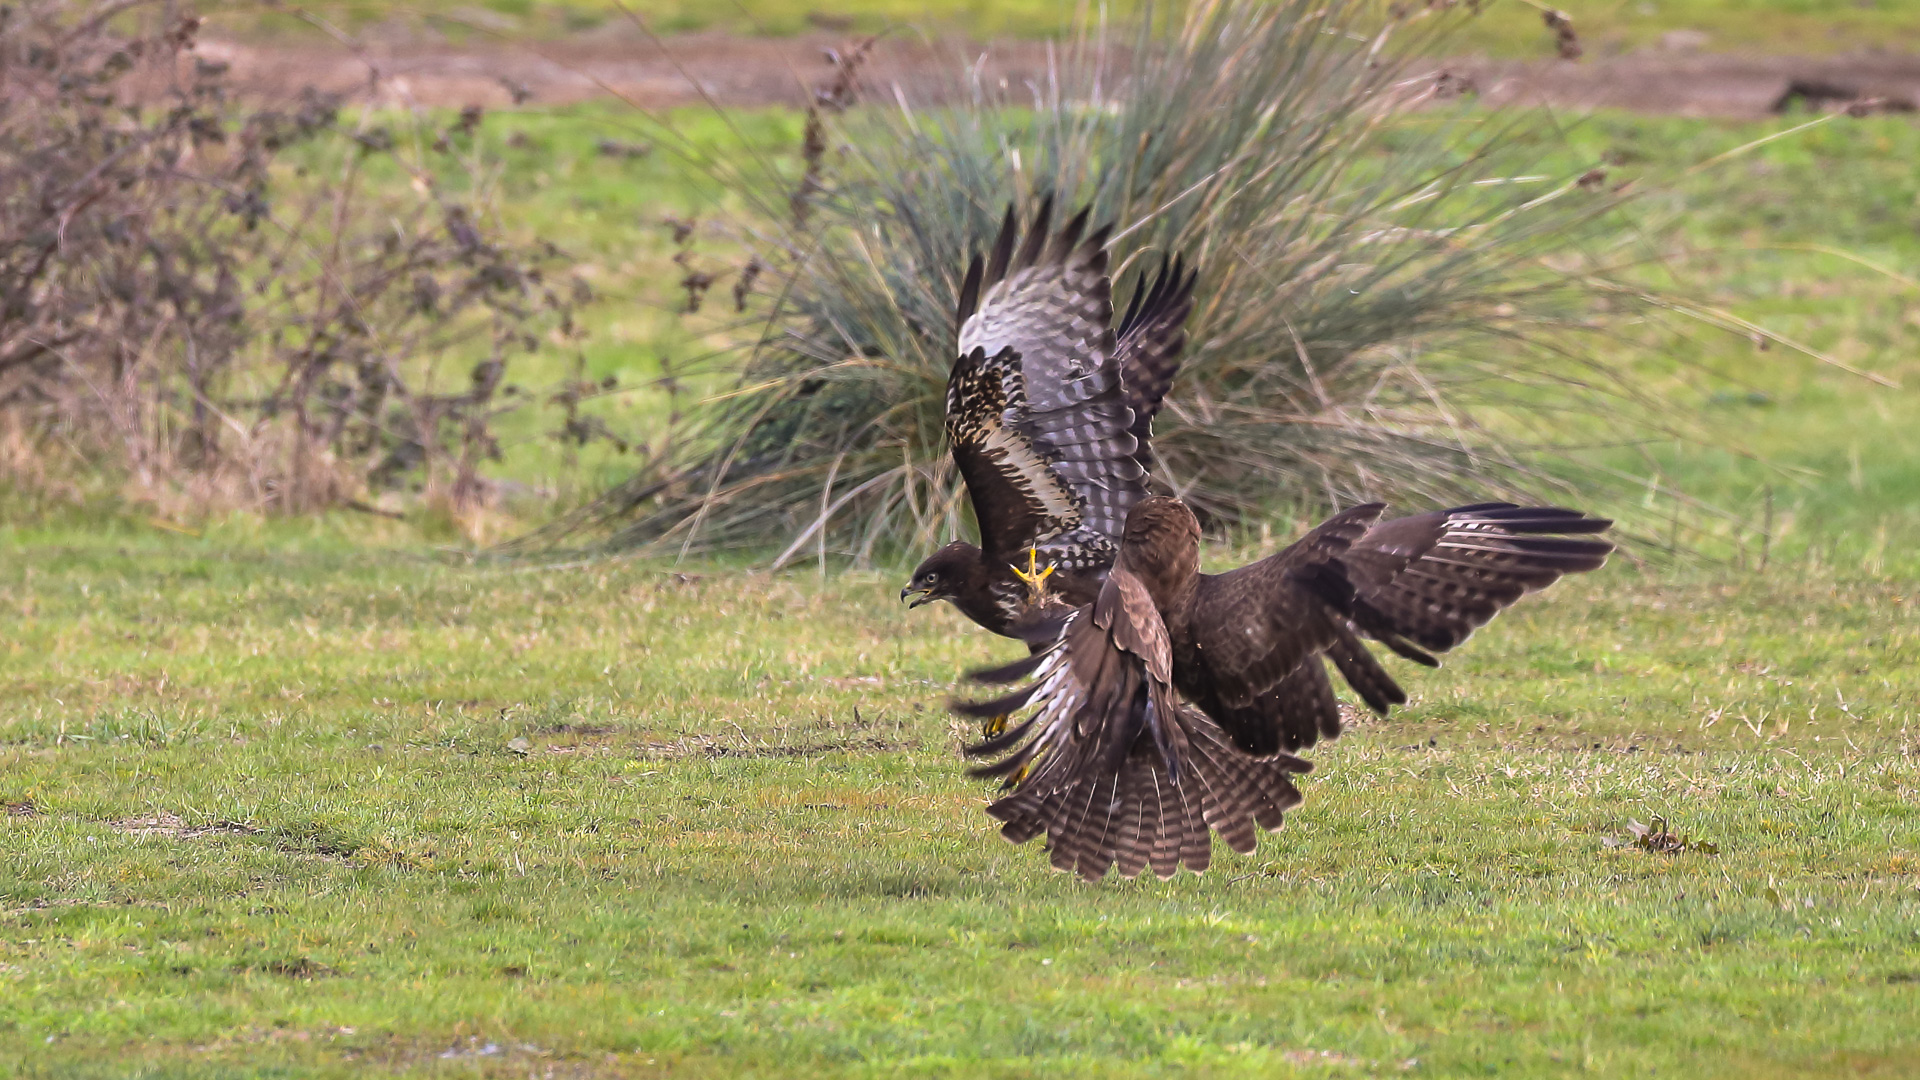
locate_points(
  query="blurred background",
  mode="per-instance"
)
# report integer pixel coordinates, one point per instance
(573, 276)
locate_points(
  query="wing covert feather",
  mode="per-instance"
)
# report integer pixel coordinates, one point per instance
(1019, 498)
(1249, 652)
(1248, 629)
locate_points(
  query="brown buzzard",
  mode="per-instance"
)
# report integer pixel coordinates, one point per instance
(1049, 414)
(1174, 702)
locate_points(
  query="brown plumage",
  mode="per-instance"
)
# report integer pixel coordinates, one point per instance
(1049, 414)
(1174, 701)
(1151, 338)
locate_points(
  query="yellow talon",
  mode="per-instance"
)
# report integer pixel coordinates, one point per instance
(994, 725)
(1035, 577)
(1021, 776)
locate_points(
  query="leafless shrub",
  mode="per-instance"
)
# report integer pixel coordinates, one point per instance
(1566, 43)
(829, 99)
(272, 306)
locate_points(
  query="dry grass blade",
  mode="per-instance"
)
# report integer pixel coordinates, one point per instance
(1395, 298)
(1660, 838)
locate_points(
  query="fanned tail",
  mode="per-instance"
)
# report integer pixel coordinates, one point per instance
(1240, 794)
(1133, 799)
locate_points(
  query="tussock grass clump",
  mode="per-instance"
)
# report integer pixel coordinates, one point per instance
(1395, 300)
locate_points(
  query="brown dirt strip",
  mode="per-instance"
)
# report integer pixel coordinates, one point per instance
(736, 71)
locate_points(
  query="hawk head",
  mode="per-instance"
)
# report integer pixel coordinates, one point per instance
(1161, 544)
(946, 574)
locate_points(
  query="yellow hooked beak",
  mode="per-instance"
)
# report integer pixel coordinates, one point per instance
(920, 595)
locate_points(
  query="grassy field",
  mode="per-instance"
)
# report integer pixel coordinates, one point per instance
(290, 806)
(1506, 28)
(307, 799)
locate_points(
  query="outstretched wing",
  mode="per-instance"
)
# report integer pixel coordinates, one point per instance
(1054, 465)
(1110, 765)
(1149, 342)
(1251, 650)
(1433, 579)
(1019, 499)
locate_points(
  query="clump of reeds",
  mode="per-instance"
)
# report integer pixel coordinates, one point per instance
(1395, 300)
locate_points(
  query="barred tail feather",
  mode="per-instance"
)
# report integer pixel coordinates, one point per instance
(1114, 769)
(1244, 794)
(1132, 816)
(1140, 821)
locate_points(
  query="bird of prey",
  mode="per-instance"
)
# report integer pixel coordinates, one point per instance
(1175, 701)
(1049, 413)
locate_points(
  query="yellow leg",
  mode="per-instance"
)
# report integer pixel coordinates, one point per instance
(1035, 577)
(993, 725)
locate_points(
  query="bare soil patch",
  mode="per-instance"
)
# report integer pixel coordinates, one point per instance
(737, 71)
(689, 70)
(1708, 84)
(172, 826)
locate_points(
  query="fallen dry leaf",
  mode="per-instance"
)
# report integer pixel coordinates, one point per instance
(1660, 837)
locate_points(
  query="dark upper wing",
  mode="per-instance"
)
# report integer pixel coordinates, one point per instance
(1248, 629)
(1251, 647)
(1110, 765)
(1433, 579)
(1149, 341)
(1043, 308)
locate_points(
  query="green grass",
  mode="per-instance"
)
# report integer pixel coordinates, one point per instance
(1506, 28)
(739, 841)
(1777, 235)
(1815, 236)
(543, 179)
(280, 824)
